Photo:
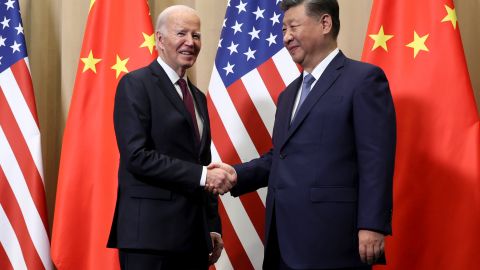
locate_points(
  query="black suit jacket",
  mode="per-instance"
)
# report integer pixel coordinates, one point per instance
(330, 171)
(160, 203)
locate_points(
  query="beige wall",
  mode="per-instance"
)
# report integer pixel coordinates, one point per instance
(54, 32)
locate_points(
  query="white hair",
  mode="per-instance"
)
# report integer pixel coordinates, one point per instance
(166, 13)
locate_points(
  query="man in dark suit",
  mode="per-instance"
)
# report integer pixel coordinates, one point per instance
(164, 217)
(330, 171)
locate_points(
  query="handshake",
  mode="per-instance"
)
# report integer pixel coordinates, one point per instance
(221, 177)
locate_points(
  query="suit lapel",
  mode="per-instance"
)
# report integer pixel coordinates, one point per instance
(284, 115)
(201, 109)
(171, 93)
(324, 83)
(167, 87)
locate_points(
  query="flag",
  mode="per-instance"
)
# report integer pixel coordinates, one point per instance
(437, 169)
(118, 38)
(251, 69)
(24, 238)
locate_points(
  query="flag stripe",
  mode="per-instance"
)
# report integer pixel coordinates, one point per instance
(262, 194)
(288, 70)
(23, 116)
(10, 243)
(231, 120)
(262, 99)
(248, 225)
(226, 153)
(224, 262)
(237, 254)
(22, 76)
(19, 187)
(220, 137)
(23, 157)
(272, 79)
(249, 116)
(255, 210)
(244, 229)
(4, 261)
(14, 215)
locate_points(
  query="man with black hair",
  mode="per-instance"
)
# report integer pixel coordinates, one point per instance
(329, 173)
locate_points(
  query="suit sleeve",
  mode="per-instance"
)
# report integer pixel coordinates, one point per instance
(252, 175)
(132, 122)
(375, 138)
(213, 218)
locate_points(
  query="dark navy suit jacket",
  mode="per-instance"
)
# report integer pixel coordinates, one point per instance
(329, 172)
(160, 203)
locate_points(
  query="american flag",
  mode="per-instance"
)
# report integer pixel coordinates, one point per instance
(24, 240)
(251, 69)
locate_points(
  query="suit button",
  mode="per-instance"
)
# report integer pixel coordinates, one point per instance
(282, 156)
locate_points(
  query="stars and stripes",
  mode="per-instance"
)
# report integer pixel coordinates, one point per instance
(24, 239)
(251, 69)
(253, 31)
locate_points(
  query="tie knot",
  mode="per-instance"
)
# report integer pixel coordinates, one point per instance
(308, 80)
(182, 83)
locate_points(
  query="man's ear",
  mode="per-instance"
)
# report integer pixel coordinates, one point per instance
(159, 40)
(326, 21)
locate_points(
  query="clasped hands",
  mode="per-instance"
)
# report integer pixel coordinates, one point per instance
(221, 177)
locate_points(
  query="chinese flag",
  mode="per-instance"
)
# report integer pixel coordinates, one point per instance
(118, 38)
(436, 220)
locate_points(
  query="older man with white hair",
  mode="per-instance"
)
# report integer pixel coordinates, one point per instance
(164, 217)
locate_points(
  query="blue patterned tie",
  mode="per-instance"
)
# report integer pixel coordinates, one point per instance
(306, 84)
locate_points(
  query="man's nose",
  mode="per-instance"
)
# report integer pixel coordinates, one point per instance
(287, 37)
(188, 40)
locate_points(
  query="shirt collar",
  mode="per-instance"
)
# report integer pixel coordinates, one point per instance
(320, 68)
(172, 75)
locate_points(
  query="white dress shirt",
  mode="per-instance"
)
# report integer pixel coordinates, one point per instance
(173, 76)
(316, 73)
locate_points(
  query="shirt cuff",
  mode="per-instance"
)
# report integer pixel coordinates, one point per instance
(203, 178)
(216, 233)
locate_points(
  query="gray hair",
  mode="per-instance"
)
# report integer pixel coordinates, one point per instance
(165, 14)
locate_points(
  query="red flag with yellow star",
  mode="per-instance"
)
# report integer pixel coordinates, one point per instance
(436, 206)
(118, 38)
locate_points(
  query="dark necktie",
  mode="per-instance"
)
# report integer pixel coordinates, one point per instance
(188, 101)
(306, 84)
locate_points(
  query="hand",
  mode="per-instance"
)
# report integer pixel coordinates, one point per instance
(370, 245)
(217, 244)
(225, 167)
(221, 178)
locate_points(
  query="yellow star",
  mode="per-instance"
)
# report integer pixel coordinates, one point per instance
(149, 41)
(451, 16)
(120, 66)
(90, 62)
(380, 39)
(91, 4)
(418, 44)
